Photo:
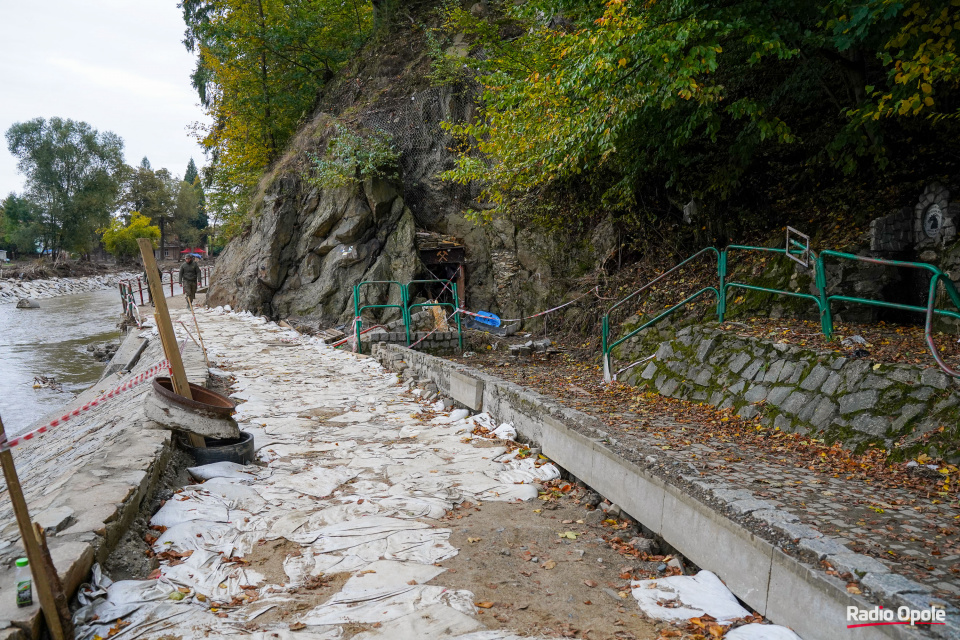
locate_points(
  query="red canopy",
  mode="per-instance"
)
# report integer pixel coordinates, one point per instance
(193, 251)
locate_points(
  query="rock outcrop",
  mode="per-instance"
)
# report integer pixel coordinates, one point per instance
(307, 248)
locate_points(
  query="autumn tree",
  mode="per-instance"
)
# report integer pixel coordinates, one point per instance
(686, 96)
(121, 239)
(72, 176)
(260, 64)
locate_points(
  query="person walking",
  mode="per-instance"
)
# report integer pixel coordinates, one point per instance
(189, 275)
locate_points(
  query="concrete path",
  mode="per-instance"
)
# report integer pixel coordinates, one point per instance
(338, 532)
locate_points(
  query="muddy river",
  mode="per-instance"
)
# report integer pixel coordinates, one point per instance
(52, 341)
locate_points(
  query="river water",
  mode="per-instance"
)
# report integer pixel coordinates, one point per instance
(52, 341)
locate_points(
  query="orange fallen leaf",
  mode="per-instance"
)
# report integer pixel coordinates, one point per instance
(484, 605)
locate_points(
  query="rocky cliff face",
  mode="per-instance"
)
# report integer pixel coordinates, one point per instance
(306, 248)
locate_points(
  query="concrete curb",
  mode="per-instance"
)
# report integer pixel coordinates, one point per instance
(780, 587)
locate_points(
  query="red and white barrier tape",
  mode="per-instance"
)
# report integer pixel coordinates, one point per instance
(7, 444)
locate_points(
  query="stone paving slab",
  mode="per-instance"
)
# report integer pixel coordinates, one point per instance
(85, 480)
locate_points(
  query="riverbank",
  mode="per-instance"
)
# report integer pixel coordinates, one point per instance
(13, 290)
(85, 480)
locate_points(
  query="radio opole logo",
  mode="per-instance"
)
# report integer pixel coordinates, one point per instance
(878, 616)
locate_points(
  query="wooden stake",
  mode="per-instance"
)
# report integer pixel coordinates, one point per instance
(168, 338)
(199, 336)
(59, 597)
(41, 572)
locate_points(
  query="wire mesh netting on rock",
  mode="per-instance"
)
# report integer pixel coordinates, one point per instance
(413, 124)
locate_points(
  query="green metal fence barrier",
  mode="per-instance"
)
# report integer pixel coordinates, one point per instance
(822, 299)
(452, 305)
(404, 305)
(357, 309)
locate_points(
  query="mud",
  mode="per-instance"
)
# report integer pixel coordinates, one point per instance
(132, 558)
(529, 580)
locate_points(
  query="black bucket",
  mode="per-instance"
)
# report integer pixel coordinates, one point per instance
(239, 450)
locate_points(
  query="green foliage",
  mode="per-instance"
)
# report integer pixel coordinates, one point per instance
(351, 158)
(20, 228)
(192, 177)
(447, 54)
(173, 205)
(121, 241)
(186, 214)
(72, 175)
(690, 96)
(260, 66)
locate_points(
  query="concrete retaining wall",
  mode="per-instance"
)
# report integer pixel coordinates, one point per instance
(782, 588)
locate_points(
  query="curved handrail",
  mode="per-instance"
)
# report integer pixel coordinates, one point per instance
(822, 299)
(664, 314)
(605, 347)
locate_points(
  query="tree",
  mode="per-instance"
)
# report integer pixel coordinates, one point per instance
(121, 240)
(260, 64)
(192, 177)
(72, 173)
(687, 95)
(144, 191)
(185, 215)
(19, 224)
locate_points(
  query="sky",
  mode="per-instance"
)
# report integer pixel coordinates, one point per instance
(118, 65)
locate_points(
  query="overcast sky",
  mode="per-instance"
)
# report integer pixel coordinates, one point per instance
(118, 65)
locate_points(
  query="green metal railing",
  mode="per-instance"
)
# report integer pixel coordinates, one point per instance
(404, 306)
(452, 305)
(821, 299)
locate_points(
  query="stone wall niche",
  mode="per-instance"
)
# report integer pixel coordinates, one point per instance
(935, 218)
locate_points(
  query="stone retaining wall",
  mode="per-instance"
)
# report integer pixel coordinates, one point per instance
(439, 342)
(421, 324)
(857, 401)
(13, 290)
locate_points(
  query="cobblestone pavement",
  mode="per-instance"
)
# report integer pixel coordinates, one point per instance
(746, 468)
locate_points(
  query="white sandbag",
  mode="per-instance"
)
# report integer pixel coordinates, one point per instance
(223, 470)
(526, 471)
(506, 431)
(433, 621)
(688, 596)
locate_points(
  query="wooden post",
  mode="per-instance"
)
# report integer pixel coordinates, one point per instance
(199, 335)
(59, 597)
(40, 572)
(167, 336)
